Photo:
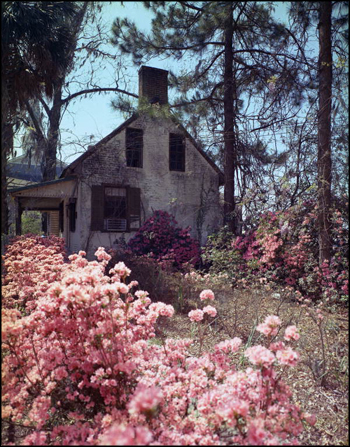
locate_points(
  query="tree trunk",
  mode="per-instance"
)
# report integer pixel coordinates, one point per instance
(6, 150)
(6, 131)
(50, 155)
(229, 136)
(324, 160)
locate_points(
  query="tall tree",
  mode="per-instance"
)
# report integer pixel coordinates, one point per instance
(331, 20)
(229, 134)
(34, 40)
(324, 159)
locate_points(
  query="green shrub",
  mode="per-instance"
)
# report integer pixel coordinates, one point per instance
(31, 222)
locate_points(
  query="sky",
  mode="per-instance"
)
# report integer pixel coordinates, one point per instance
(91, 119)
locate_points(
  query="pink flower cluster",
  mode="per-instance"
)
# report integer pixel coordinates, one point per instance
(270, 326)
(291, 333)
(259, 355)
(22, 275)
(207, 295)
(196, 315)
(210, 310)
(79, 368)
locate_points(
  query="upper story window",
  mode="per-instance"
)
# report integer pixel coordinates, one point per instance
(176, 152)
(134, 147)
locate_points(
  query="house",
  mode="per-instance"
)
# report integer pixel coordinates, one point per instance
(148, 163)
(25, 170)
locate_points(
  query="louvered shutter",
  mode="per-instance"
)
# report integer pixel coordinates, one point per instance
(72, 214)
(134, 208)
(97, 207)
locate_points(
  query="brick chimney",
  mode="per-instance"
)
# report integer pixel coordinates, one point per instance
(153, 84)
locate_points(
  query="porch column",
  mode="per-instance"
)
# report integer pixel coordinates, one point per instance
(19, 211)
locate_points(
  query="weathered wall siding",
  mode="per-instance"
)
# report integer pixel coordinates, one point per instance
(175, 192)
(54, 228)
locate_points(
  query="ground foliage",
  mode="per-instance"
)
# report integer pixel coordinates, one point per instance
(81, 365)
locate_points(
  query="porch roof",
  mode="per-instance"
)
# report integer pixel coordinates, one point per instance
(43, 188)
(45, 195)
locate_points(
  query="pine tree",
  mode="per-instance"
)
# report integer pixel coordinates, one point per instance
(324, 158)
(237, 50)
(330, 20)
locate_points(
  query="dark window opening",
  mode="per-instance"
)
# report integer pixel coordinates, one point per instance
(176, 152)
(44, 224)
(134, 147)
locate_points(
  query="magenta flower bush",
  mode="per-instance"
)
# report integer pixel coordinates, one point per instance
(161, 239)
(79, 368)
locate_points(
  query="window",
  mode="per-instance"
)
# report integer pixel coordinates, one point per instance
(115, 208)
(134, 146)
(176, 152)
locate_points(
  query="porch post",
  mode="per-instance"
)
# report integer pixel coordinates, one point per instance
(19, 211)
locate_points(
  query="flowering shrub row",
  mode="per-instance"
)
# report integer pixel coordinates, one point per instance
(80, 368)
(161, 239)
(284, 249)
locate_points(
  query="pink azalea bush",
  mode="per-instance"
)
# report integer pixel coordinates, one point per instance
(22, 275)
(79, 369)
(161, 239)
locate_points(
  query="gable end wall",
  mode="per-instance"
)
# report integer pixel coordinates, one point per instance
(192, 196)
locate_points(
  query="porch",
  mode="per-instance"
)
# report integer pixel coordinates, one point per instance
(55, 199)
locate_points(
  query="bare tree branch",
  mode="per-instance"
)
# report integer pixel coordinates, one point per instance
(95, 90)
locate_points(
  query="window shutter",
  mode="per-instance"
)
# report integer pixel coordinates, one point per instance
(134, 208)
(97, 207)
(72, 215)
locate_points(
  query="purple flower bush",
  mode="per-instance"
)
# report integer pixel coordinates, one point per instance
(161, 239)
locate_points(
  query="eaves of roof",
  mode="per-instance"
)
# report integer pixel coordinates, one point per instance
(42, 184)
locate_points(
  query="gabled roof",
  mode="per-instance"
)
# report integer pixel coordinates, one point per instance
(126, 123)
(25, 168)
(94, 147)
